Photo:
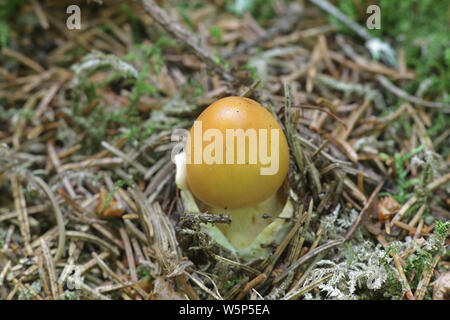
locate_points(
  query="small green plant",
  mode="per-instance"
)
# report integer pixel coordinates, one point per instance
(151, 59)
(69, 295)
(110, 196)
(137, 28)
(143, 272)
(216, 33)
(148, 59)
(183, 10)
(440, 234)
(393, 289)
(219, 60)
(421, 260)
(232, 282)
(402, 183)
(15, 114)
(416, 264)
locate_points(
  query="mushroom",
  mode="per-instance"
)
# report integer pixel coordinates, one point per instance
(235, 162)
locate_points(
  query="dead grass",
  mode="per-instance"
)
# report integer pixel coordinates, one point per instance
(88, 204)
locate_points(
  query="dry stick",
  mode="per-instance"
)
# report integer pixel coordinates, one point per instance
(125, 157)
(404, 226)
(32, 291)
(102, 154)
(331, 114)
(27, 287)
(308, 256)
(280, 249)
(333, 243)
(21, 209)
(137, 250)
(74, 253)
(78, 208)
(402, 94)
(302, 277)
(326, 198)
(278, 291)
(108, 234)
(370, 66)
(318, 238)
(92, 163)
(40, 14)
(143, 212)
(48, 234)
(181, 281)
(88, 290)
(4, 272)
(328, 7)
(364, 209)
(14, 291)
(418, 230)
(353, 118)
(45, 102)
(389, 85)
(8, 237)
(354, 190)
(300, 239)
(237, 264)
(186, 37)
(318, 150)
(250, 90)
(114, 287)
(327, 156)
(418, 215)
(94, 239)
(202, 286)
(127, 200)
(129, 254)
(430, 187)
(31, 271)
(285, 24)
(58, 214)
(55, 160)
(50, 269)
(308, 288)
(134, 230)
(102, 264)
(43, 275)
(93, 262)
(23, 59)
(216, 289)
(251, 285)
(69, 151)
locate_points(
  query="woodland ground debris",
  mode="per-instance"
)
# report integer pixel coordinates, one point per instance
(86, 118)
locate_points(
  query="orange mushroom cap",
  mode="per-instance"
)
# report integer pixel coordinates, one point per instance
(244, 158)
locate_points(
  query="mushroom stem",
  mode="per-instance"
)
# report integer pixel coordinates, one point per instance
(247, 223)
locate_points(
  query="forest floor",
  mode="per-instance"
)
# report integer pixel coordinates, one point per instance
(89, 208)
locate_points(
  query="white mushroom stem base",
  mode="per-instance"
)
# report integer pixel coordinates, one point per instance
(250, 235)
